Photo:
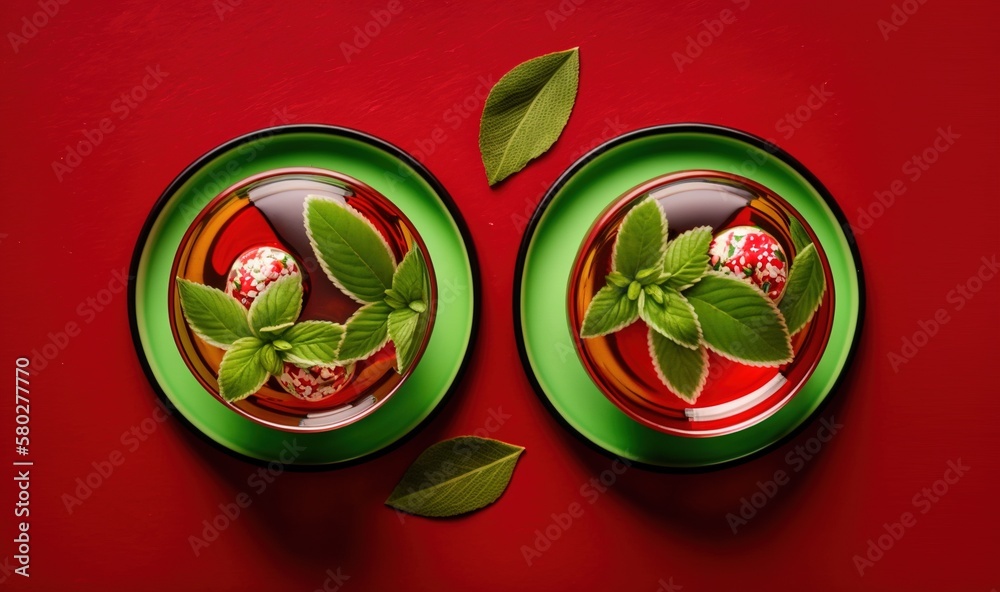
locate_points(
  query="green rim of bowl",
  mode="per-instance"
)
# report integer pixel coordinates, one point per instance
(560, 224)
(388, 170)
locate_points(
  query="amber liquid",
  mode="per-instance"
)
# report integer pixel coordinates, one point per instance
(267, 210)
(620, 363)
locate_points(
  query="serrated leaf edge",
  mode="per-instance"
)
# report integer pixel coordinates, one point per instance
(781, 321)
(691, 399)
(671, 337)
(205, 338)
(322, 261)
(683, 287)
(819, 301)
(663, 238)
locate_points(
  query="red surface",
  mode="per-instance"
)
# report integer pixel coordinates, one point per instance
(419, 84)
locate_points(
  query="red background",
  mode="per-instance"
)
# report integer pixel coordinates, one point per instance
(62, 242)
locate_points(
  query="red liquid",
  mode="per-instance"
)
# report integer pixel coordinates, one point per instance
(620, 363)
(267, 210)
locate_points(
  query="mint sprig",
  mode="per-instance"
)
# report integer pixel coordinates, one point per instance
(258, 342)
(357, 259)
(688, 308)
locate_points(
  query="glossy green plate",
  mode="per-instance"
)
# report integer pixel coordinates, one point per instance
(382, 166)
(561, 223)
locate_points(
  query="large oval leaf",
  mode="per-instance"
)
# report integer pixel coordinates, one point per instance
(350, 250)
(526, 111)
(739, 321)
(213, 315)
(456, 476)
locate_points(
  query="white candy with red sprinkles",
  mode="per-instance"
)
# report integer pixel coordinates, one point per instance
(255, 270)
(316, 383)
(751, 254)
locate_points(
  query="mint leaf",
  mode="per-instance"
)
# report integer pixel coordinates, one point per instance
(804, 291)
(313, 343)
(610, 310)
(241, 373)
(410, 282)
(350, 249)
(641, 240)
(466, 473)
(740, 322)
(686, 258)
(526, 111)
(406, 329)
(216, 317)
(277, 305)
(684, 371)
(365, 332)
(800, 238)
(673, 317)
(270, 359)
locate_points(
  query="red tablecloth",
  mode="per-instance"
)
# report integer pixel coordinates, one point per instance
(893, 104)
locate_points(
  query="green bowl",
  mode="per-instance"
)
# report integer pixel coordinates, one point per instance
(388, 170)
(559, 226)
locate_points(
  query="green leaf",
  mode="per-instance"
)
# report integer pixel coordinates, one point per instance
(314, 343)
(641, 240)
(455, 477)
(740, 322)
(684, 371)
(270, 359)
(350, 250)
(804, 290)
(686, 258)
(610, 310)
(673, 318)
(216, 317)
(277, 305)
(800, 238)
(241, 373)
(366, 332)
(526, 111)
(406, 329)
(410, 282)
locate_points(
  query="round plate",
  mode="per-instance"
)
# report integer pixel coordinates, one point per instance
(382, 166)
(561, 223)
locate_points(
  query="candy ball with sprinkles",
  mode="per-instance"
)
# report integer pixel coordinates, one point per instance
(316, 383)
(752, 254)
(256, 269)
